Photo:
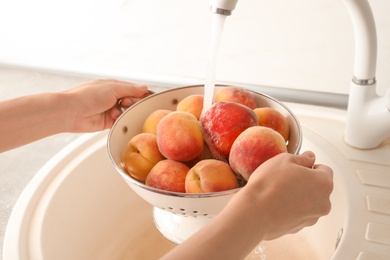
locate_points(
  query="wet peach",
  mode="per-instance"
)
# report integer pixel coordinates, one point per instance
(254, 146)
(222, 123)
(236, 94)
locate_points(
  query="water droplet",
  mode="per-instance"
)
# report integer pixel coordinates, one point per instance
(260, 250)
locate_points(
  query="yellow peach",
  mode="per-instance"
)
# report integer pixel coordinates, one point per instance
(192, 104)
(270, 117)
(210, 176)
(140, 155)
(152, 120)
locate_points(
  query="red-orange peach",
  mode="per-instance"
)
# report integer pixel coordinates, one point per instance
(210, 176)
(168, 175)
(152, 120)
(179, 136)
(222, 123)
(272, 118)
(236, 94)
(192, 104)
(253, 147)
(140, 155)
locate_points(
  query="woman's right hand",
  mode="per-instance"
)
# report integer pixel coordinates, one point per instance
(282, 196)
(293, 190)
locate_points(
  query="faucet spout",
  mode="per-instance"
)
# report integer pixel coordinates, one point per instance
(368, 115)
(224, 7)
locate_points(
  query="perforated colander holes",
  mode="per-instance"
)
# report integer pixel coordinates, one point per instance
(180, 211)
(124, 129)
(175, 101)
(184, 212)
(196, 214)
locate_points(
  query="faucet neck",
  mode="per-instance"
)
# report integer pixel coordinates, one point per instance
(365, 40)
(368, 115)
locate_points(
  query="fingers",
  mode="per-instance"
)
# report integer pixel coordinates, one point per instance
(128, 101)
(306, 159)
(326, 173)
(323, 168)
(122, 90)
(115, 113)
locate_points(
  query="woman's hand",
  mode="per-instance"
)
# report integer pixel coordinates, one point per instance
(282, 196)
(290, 192)
(90, 107)
(94, 106)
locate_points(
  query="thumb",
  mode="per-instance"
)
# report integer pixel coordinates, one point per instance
(306, 159)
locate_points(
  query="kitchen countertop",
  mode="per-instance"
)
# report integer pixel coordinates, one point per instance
(306, 46)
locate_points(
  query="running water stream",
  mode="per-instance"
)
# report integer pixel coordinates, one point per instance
(218, 22)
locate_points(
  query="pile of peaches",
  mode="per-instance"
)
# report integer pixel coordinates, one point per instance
(187, 151)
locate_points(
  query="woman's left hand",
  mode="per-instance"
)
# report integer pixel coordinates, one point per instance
(94, 105)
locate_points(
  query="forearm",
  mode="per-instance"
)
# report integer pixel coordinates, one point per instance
(233, 234)
(27, 119)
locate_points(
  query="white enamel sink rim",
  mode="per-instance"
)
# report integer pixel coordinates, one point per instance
(353, 226)
(357, 242)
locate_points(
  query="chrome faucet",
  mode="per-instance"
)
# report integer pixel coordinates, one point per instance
(368, 114)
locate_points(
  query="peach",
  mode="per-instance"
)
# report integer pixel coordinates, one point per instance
(179, 136)
(210, 176)
(222, 123)
(168, 175)
(272, 118)
(152, 120)
(253, 147)
(236, 94)
(192, 104)
(140, 155)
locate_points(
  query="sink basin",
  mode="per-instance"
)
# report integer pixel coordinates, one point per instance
(78, 207)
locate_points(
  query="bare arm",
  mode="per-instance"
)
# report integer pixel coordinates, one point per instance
(283, 196)
(86, 108)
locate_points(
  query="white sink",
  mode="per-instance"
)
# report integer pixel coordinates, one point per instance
(79, 207)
